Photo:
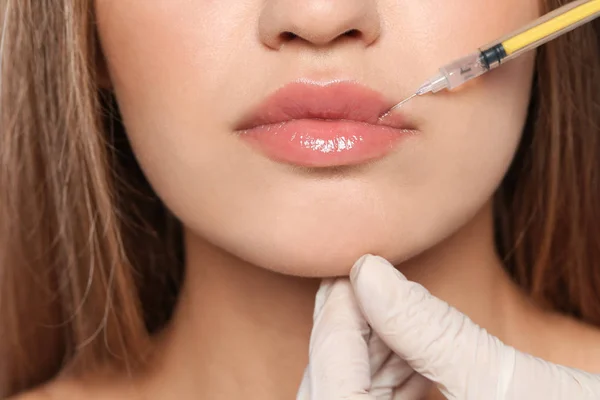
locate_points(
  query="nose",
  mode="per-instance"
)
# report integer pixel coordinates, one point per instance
(318, 22)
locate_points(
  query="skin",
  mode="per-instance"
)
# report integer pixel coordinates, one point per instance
(258, 232)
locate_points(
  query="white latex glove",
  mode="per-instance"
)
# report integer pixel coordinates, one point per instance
(348, 361)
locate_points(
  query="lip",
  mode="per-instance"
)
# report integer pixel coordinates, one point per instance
(330, 125)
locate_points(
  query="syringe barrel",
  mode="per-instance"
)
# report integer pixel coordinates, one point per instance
(489, 57)
(550, 26)
(464, 69)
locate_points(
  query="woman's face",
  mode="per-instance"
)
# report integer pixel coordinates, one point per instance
(304, 182)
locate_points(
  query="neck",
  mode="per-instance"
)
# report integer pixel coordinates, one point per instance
(242, 332)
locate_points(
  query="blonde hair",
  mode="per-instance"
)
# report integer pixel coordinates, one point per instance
(91, 261)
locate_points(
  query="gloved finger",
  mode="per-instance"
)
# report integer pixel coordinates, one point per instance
(320, 297)
(379, 353)
(446, 347)
(338, 356)
(397, 380)
(416, 387)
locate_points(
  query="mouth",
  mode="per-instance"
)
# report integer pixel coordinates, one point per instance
(332, 125)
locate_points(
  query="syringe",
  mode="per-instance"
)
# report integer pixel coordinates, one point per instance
(490, 57)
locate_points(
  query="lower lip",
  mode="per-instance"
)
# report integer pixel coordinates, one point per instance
(324, 143)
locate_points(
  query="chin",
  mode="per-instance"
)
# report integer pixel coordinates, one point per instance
(325, 252)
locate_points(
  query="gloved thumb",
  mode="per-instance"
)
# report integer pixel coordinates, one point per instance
(445, 346)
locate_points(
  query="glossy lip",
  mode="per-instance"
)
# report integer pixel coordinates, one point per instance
(329, 125)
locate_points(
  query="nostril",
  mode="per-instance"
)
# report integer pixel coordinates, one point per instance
(288, 36)
(353, 33)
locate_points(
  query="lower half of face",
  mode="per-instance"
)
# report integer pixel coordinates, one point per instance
(256, 121)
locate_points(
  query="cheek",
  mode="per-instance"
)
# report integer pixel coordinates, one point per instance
(452, 28)
(169, 59)
(482, 122)
(470, 135)
(175, 67)
(474, 136)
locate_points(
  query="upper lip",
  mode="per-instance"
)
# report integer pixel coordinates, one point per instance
(337, 101)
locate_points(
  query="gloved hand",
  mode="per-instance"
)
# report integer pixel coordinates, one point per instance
(378, 335)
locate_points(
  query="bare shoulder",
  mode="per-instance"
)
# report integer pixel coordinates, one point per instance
(75, 390)
(34, 395)
(51, 391)
(39, 394)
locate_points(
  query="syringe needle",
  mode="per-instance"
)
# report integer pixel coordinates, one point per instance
(388, 112)
(403, 102)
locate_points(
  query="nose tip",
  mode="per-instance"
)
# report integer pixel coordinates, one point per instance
(318, 22)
